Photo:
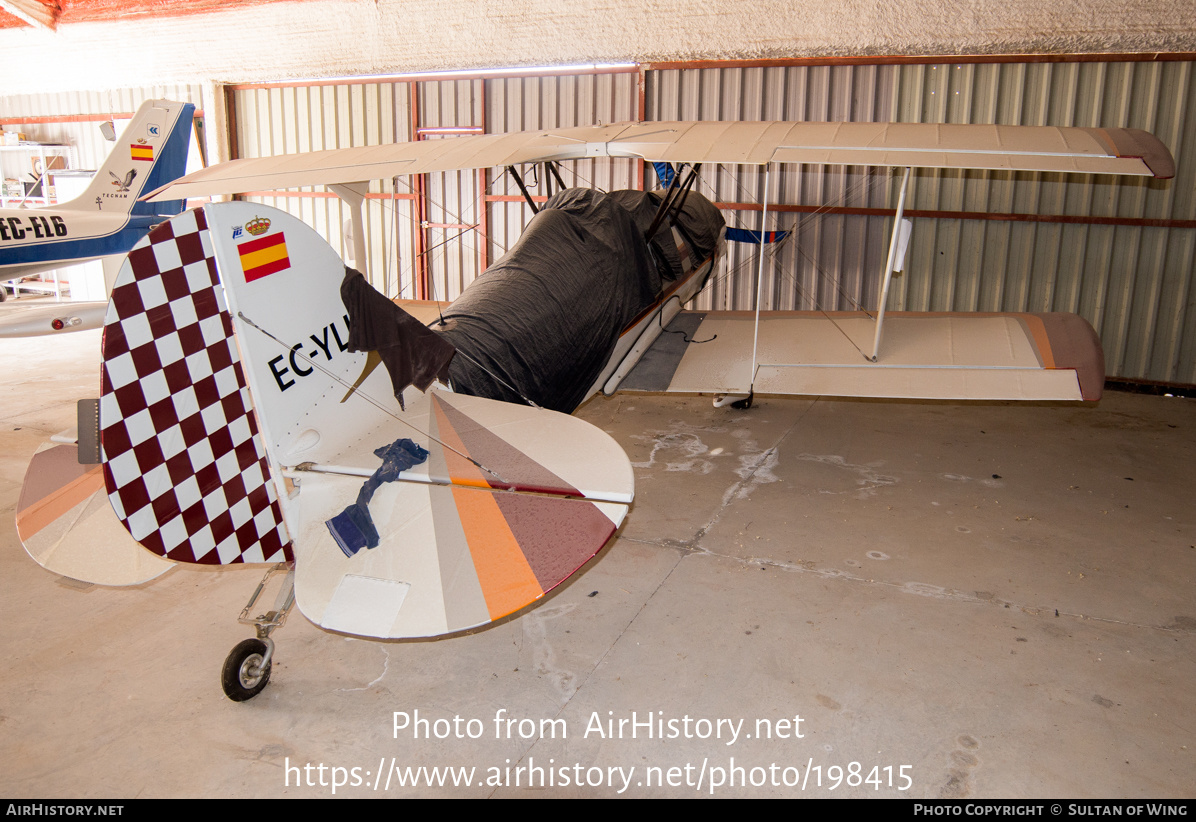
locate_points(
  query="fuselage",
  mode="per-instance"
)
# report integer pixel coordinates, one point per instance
(39, 239)
(639, 335)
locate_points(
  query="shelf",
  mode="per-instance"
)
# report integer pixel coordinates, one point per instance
(37, 161)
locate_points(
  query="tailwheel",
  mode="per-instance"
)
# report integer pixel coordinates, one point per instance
(739, 401)
(246, 670)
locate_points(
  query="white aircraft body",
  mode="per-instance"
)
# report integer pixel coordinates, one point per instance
(242, 419)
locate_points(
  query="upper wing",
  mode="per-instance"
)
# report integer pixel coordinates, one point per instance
(965, 356)
(925, 145)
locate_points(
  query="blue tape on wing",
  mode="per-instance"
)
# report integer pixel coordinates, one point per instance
(354, 528)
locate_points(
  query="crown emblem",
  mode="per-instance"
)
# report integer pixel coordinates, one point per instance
(258, 225)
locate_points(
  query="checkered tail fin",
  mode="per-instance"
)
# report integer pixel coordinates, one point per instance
(184, 462)
(282, 281)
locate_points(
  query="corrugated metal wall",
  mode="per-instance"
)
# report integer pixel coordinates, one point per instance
(280, 120)
(1119, 252)
(522, 104)
(468, 218)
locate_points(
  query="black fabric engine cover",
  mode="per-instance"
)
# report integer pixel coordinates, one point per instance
(412, 354)
(545, 318)
(540, 323)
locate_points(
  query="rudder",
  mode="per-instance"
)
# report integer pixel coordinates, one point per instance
(185, 467)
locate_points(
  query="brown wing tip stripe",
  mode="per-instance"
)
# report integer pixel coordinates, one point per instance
(522, 545)
(518, 471)
(1068, 341)
(1134, 142)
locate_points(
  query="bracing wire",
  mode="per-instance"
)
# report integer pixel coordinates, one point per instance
(408, 273)
(802, 226)
(805, 223)
(297, 350)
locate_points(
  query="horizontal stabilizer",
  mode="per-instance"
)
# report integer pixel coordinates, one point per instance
(968, 356)
(494, 503)
(509, 503)
(449, 558)
(249, 448)
(67, 526)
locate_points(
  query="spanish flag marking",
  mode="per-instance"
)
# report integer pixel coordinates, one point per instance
(142, 151)
(263, 256)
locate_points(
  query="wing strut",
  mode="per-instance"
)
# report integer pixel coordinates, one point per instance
(550, 167)
(892, 261)
(674, 199)
(526, 195)
(353, 195)
(759, 280)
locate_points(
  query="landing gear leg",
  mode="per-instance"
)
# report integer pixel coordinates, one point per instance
(247, 668)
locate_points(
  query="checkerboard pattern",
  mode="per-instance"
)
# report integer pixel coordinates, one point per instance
(184, 465)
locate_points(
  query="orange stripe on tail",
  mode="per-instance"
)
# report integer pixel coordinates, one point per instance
(504, 574)
(35, 517)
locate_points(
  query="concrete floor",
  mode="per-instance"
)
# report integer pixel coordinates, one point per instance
(993, 600)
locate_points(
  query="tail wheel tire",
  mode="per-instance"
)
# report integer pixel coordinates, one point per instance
(243, 676)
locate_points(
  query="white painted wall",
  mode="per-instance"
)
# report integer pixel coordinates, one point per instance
(343, 37)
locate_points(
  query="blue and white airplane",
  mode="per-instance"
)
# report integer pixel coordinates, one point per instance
(107, 217)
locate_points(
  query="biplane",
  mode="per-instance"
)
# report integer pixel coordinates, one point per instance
(412, 467)
(106, 219)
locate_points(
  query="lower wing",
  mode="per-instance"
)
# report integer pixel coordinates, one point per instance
(958, 356)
